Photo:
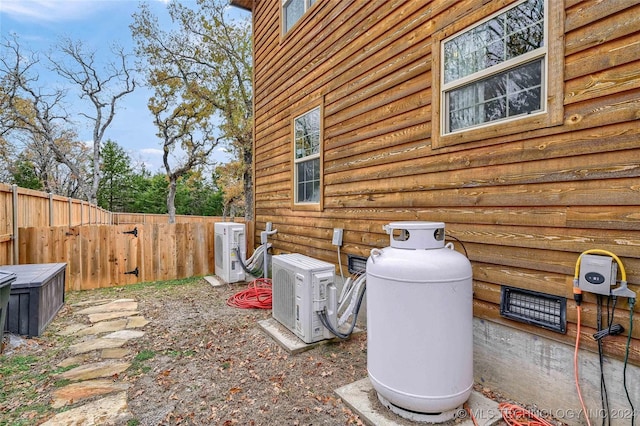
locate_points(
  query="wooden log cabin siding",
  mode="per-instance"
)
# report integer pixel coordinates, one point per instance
(524, 205)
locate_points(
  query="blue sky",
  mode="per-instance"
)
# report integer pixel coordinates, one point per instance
(39, 24)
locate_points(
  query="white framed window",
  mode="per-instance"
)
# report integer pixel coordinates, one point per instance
(307, 143)
(498, 71)
(292, 11)
(495, 70)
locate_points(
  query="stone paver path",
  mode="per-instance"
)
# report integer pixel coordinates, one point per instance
(98, 357)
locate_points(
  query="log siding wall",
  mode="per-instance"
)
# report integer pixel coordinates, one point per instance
(524, 205)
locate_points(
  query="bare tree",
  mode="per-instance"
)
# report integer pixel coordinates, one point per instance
(29, 107)
(103, 91)
(53, 176)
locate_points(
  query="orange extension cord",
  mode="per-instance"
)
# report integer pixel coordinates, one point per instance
(256, 296)
(575, 365)
(515, 415)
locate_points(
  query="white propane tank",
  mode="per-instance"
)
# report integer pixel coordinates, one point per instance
(420, 323)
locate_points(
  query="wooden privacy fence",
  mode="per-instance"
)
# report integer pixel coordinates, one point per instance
(109, 255)
(20, 207)
(126, 218)
(101, 248)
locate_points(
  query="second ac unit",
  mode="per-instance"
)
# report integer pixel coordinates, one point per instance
(230, 250)
(301, 287)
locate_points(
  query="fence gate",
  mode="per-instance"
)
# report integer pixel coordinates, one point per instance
(111, 255)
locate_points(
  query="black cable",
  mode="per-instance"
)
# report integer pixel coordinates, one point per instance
(632, 302)
(612, 329)
(458, 240)
(604, 398)
(613, 310)
(256, 272)
(325, 321)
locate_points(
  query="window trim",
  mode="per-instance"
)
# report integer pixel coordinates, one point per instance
(552, 113)
(307, 7)
(309, 206)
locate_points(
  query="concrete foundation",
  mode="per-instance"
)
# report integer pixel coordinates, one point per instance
(539, 372)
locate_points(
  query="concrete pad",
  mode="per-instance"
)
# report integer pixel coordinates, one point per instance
(95, 370)
(115, 306)
(213, 280)
(114, 353)
(96, 344)
(77, 392)
(111, 315)
(137, 322)
(71, 329)
(110, 410)
(289, 341)
(104, 327)
(125, 334)
(362, 399)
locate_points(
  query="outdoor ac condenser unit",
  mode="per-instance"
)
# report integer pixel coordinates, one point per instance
(302, 286)
(230, 248)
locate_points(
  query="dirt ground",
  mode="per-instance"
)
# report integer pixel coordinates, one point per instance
(214, 365)
(200, 362)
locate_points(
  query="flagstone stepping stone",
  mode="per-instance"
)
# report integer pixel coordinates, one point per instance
(73, 360)
(125, 334)
(92, 302)
(96, 344)
(137, 322)
(109, 410)
(95, 370)
(115, 306)
(111, 315)
(78, 392)
(104, 327)
(115, 353)
(71, 329)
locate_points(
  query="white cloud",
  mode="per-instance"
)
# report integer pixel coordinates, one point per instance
(151, 151)
(50, 10)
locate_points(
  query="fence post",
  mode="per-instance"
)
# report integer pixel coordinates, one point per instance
(16, 242)
(51, 209)
(70, 224)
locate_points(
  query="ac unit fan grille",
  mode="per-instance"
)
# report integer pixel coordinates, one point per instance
(283, 293)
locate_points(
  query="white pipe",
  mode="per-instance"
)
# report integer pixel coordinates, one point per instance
(264, 235)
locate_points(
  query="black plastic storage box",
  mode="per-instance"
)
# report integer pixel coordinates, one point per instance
(37, 295)
(6, 278)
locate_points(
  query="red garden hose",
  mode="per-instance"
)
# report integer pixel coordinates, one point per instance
(256, 296)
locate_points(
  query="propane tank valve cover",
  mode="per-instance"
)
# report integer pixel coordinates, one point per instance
(416, 235)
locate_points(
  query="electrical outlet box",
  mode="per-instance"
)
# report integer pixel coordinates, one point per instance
(337, 237)
(597, 274)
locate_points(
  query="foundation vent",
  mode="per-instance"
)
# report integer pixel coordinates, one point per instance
(532, 307)
(357, 264)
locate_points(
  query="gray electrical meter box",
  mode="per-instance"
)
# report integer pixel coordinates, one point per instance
(597, 274)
